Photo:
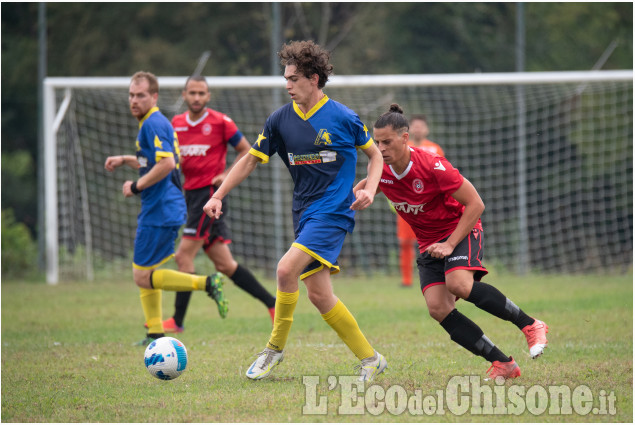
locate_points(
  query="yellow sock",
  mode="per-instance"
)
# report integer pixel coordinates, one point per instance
(283, 319)
(151, 304)
(171, 280)
(343, 322)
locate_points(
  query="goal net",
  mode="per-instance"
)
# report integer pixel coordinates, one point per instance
(551, 154)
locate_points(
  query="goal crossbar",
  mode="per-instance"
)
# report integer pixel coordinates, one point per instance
(494, 78)
(54, 112)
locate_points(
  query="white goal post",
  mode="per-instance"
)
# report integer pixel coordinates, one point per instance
(549, 152)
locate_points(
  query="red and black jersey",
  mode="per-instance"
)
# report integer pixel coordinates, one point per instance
(203, 146)
(422, 196)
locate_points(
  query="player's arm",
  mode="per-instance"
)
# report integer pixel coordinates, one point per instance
(362, 185)
(113, 162)
(474, 207)
(239, 172)
(158, 172)
(241, 149)
(364, 197)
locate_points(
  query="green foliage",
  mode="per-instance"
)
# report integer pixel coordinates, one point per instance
(19, 251)
(117, 39)
(19, 77)
(572, 36)
(73, 361)
(425, 38)
(19, 187)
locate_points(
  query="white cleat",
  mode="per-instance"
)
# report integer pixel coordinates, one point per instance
(264, 364)
(371, 367)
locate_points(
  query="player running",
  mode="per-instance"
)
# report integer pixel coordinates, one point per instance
(162, 206)
(444, 210)
(204, 135)
(418, 138)
(317, 139)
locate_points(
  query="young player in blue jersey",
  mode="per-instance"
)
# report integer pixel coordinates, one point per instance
(204, 137)
(317, 139)
(162, 207)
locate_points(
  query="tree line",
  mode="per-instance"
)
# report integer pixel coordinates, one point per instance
(117, 39)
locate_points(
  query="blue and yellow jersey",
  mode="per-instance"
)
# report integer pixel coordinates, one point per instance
(319, 149)
(162, 204)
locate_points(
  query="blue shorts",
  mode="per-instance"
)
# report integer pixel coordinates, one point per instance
(321, 241)
(153, 246)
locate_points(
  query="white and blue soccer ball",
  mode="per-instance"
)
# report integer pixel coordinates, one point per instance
(166, 358)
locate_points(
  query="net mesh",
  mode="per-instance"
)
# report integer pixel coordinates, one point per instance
(556, 177)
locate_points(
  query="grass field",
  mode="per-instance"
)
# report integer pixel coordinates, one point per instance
(67, 354)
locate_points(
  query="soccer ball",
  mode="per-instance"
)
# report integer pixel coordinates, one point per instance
(166, 358)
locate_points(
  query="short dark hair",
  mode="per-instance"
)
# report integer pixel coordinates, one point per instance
(393, 118)
(195, 78)
(153, 82)
(420, 117)
(309, 58)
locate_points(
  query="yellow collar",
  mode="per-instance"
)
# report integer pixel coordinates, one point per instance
(146, 116)
(313, 110)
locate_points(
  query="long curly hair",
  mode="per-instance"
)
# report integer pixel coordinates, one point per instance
(309, 58)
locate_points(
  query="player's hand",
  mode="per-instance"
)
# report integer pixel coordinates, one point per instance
(363, 199)
(219, 179)
(440, 250)
(127, 192)
(213, 207)
(113, 162)
(360, 185)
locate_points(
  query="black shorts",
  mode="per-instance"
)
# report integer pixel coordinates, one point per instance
(466, 256)
(200, 226)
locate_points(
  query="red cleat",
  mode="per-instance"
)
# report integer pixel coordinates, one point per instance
(536, 335)
(169, 326)
(507, 370)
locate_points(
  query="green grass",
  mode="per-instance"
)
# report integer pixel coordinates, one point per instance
(67, 353)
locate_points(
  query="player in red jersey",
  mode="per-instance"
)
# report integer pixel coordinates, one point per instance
(203, 135)
(418, 138)
(444, 209)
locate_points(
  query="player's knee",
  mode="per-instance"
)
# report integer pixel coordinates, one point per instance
(179, 258)
(439, 311)
(142, 280)
(314, 298)
(184, 262)
(319, 299)
(285, 273)
(227, 267)
(459, 287)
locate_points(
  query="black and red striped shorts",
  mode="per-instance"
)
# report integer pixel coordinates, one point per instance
(200, 226)
(467, 255)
